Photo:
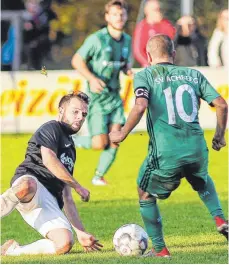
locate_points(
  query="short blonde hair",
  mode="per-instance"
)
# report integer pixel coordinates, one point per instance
(120, 3)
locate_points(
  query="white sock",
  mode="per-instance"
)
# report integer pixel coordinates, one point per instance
(8, 202)
(43, 246)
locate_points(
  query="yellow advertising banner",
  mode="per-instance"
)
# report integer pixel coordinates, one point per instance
(28, 99)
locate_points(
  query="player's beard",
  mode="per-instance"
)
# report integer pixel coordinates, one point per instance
(67, 125)
(117, 28)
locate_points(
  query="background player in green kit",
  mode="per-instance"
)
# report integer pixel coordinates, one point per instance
(177, 147)
(100, 59)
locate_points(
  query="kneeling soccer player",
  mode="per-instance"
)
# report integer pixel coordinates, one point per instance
(42, 184)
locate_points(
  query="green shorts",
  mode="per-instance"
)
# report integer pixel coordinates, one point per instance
(161, 182)
(98, 123)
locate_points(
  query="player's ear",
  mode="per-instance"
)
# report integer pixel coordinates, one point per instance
(61, 111)
(106, 17)
(149, 57)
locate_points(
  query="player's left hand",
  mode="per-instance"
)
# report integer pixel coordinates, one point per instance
(117, 136)
(218, 143)
(84, 193)
(88, 242)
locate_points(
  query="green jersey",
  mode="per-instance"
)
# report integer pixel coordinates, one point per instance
(174, 94)
(105, 58)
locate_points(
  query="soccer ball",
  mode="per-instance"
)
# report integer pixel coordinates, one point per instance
(130, 240)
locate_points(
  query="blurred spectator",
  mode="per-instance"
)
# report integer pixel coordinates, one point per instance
(7, 51)
(152, 24)
(218, 45)
(7, 42)
(36, 32)
(191, 45)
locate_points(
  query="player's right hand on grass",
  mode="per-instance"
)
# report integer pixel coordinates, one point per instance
(96, 85)
(218, 143)
(84, 193)
(88, 241)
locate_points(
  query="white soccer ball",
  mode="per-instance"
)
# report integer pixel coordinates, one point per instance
(130, 240)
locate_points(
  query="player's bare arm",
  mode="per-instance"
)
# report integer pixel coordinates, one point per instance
(133, 119)
(88, 241)
(221, 113)
(51, 161)
(71, 210)
(96, 84)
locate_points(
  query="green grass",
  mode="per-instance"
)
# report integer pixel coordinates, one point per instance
(189, 230)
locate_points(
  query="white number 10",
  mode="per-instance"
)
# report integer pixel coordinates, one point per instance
(179, 104)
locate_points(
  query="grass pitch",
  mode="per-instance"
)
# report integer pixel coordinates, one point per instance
(189, 230)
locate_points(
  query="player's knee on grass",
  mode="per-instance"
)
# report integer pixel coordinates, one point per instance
(25, 188)
(100, 142)
(63, 240)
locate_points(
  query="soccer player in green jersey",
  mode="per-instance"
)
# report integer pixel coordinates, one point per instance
(100, 59)
(177, 147)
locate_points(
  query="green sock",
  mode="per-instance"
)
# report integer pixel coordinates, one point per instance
(106, 159)
(152, 219)
(210, 198)
(82, 141)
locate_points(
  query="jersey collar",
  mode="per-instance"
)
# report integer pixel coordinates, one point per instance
(165, 63)
(114, 38)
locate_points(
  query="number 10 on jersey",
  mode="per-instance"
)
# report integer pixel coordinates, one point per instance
(179, 104)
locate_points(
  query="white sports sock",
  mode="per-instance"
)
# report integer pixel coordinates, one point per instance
(8, 201)
(43, 246)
